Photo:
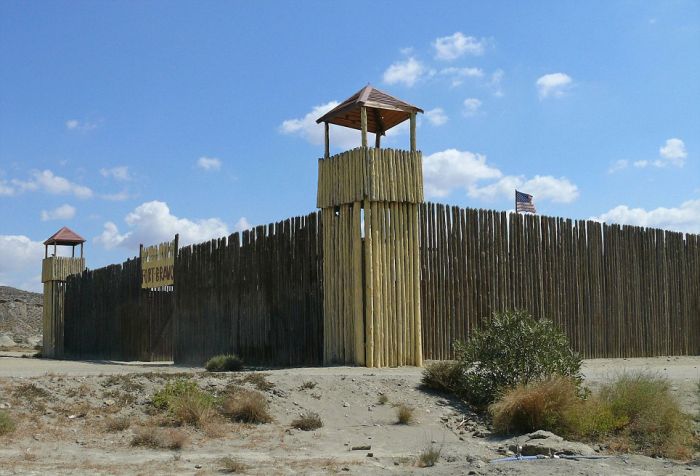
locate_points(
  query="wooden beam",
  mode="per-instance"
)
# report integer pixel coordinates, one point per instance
(413, 132)
(363, 125)
(327, 150)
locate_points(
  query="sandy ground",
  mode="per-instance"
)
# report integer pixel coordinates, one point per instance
(61, 426)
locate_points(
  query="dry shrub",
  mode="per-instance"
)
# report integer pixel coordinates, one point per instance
(192, 408)
(383, 399)
(186, 402)
(117, 424)
(224, 363)
(308, 421)
(231, 465)
(7, 424)
(535, 406)
(307, 385)
(634, 413)
(442, 376)
(404, 414)
(151, 437)
(247, 406)
(429, 457)
(655, 424)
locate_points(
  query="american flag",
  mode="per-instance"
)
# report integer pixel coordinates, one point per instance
(523, 203)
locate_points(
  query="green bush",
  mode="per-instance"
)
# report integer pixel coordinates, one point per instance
(224, 363)
(511, 349)
(7, 425)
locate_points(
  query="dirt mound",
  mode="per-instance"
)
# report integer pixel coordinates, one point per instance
(20, 317)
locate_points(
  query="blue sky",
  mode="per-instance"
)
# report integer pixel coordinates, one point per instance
(130, 121)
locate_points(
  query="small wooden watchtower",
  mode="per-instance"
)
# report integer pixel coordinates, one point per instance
(371, 270)
(54, 271)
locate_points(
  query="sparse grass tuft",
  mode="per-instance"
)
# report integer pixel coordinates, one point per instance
(186, 402)
(429, 457)
(31, 392)
(308, 421)
(383, 399)
(231, 465)
(151, 437)
(247, 406)
(442, 376)
(404, 414)
(535, 406)
(224, 363)
(7, 424)
(260, 381)
(117, 424)
(308, 385)
(126, 382)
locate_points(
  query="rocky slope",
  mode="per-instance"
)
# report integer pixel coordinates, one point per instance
(20, 317)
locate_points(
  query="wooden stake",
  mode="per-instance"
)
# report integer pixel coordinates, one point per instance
(413, 132)
(363, 125)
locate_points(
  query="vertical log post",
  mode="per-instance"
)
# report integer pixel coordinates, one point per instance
(363, 125)
(413, 132)
(327, 150)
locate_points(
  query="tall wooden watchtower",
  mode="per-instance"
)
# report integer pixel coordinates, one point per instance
(371, 268)
(54, 271)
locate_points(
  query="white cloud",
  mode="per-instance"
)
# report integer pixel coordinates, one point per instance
(554, 84)
(80, 126)
(618, 165)
(541, 187)
(242, 224)
(453, 169)
(341, 138)
(48, 182)
(436, 117)
(64, 212)
(685, 218)
(20, 262)
(209, 163)
(674, 151)
(452, 47)
(152, 222)
(495, 82)
(117, 173)
(450, 169)
(406, 72)
(471, 106)
(459, 74)
(5, 189)
(116, 197)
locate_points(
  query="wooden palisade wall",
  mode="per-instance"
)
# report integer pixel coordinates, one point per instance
(257, 294)
(616, 291)
(109, 316)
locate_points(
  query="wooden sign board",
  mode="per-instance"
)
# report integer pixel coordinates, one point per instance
(157, 264)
